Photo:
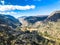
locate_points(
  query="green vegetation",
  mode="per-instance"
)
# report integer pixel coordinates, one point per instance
(49, 30)
(45, 34)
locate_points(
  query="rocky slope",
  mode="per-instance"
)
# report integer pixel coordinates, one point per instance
(54, 16)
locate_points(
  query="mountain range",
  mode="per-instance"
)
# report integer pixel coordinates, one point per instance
(24, 20)
(53, 17)
(11, 35)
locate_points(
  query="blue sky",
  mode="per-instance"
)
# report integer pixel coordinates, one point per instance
(19, 8)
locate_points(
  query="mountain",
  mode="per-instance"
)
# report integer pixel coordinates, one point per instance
(32, 19)
(54, 16)
(9, 20)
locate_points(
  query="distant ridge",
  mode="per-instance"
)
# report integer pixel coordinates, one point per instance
(32, 19)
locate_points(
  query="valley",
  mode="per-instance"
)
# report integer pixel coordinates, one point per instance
(31, 30)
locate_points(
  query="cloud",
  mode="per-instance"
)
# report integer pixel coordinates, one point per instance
(15, 7)
(2, 2)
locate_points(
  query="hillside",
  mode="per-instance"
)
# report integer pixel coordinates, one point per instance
(26, 20)
(50, 29)
(9, 20)
(54, 16)
(9, 36)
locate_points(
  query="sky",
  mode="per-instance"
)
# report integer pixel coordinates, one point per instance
(19, 8)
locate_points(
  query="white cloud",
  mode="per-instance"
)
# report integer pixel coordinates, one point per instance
(14, 7)
(2, 1)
